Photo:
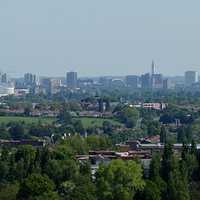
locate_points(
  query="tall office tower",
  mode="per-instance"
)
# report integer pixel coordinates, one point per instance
(146, 81)
(167, 84)
(46, 85)
(157, 81)
(72, 80)
(51, 85)
(29, 79)
(132, 81)
(191, 77)
(4, 78)
(55, 86)
(153, 68)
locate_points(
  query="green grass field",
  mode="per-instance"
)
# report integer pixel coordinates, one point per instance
(87, 121)
(91, 122)
(27, 120)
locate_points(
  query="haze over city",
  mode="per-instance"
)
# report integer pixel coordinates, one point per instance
(99, 37)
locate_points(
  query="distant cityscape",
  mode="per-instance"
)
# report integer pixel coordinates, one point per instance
(31, 83)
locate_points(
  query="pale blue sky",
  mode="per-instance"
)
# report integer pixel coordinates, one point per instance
(99, 37)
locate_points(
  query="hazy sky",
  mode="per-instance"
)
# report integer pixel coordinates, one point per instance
(99, 37)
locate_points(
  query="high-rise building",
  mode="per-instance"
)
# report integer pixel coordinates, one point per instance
(157, 81)
(132, 81)
(146, 81)
(51, 85)
(191, 77)
(55, 86)
(30, 79)
(72, 80)
(167, 84)
(4, 78)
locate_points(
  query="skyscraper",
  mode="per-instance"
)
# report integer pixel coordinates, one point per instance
(30, 79)
(4, 78)
(157, 81)
(132, 81)
(146, 81)
(72, 80)
(51, 85)
(191, 77)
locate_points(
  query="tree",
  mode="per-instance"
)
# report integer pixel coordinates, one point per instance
(64, 116)
(27, 111)
(181, 135)
(25, 158)
(85, 189)
(34, 186)
(163, 135)
(96, 142)
(151, 191)
(155, 180)
(61, 170)
(119, 180)
(17, 131)
(153, 128)
(107, 104)
(107, 127)
(9, 191)
(101, 105)
(66, 189)
(188, 133)
(155, 167)
(178, 186)
(78, 125)
(129, 116)
(167, 162)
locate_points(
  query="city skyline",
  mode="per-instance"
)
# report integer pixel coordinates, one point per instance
(151, 70)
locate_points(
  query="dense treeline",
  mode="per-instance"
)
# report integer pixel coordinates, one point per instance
(54, 173)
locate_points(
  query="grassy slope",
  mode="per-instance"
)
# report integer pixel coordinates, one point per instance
(90, 122)
(87, 122)
(28, 120)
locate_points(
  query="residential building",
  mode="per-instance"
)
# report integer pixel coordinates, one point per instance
(72, 80)
(191, 77)
(51, 85)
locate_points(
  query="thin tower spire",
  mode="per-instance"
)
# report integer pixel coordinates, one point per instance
(153, 67)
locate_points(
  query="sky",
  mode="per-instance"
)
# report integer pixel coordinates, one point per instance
(99, 37)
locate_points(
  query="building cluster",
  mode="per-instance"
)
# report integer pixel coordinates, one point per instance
(141, 150)
(30, 83)
(146, 81)
(151, 80)
(151, 106)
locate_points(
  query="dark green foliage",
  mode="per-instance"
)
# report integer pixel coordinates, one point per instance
(54, 173)
(167, 162)
(64, 116)
(163, 135)
(177, 186)
(34, 186)
(119, 180)
(78, 125)
(17, 131)
(151, 191)
(128, 116)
